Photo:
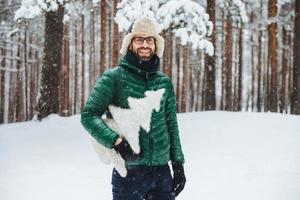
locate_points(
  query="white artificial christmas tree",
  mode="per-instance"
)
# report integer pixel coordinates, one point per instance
(127, 123)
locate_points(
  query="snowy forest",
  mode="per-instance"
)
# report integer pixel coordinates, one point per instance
(233, 55)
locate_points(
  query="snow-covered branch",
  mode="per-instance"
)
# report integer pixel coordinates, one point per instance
(236, 8)
(187, 19)
(32, 8)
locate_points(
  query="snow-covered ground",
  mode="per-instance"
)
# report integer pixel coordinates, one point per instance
(229, 156)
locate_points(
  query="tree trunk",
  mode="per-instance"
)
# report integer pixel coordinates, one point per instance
(290, 68)
(163, 62)
(185, 80)
(253, 70)
(12, 89)
(228, 64)
(192, 89)
(19, 95)
(116, 36)
(26, 69)
(240, 75)
(295, 106)
(49, 99)
(178, 74)
(33, 79)
(82, 100)
(76, 76)
(93, 52)
(198, 80)
(273, 55)
(2, 81)
(103, 19)
(223, 76)
(260, 64)
(210, 71)
(282, 102)
(65, 74)
(167, 58)
(169, 68)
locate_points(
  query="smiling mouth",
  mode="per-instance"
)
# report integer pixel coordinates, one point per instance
(144, 51)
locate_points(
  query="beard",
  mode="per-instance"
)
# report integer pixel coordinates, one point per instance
(144, 54)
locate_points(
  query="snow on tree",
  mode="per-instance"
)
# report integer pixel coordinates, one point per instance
(187, 19)
(32, 8)
(236, 8)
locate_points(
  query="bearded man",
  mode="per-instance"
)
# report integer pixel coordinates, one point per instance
(149, 174)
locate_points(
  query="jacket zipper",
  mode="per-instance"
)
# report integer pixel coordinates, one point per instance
(149, 134)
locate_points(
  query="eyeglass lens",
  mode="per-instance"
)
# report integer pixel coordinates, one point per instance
(140, 40)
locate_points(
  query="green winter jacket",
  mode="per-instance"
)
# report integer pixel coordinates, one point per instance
(114, 87)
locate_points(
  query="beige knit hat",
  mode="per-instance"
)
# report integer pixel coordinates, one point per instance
(144, 25)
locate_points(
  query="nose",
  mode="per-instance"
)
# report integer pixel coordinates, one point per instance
(145, 44)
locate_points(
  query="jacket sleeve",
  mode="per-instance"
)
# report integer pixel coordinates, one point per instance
(172, 125)
(97, 103)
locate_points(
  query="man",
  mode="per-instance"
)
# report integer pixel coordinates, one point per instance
(149, 175)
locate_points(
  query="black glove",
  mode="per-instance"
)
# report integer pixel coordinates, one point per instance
(178, 178)
(125, 150)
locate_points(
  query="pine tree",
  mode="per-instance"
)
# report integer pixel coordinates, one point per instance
(49, 99)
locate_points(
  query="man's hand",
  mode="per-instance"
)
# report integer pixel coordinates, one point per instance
(178, 178)
(124, 149)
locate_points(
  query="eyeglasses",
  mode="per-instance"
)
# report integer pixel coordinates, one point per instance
(140, 40)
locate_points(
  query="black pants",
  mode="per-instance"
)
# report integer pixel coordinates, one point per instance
(147, 183)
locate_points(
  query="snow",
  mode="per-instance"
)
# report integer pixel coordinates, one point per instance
(32, 8)
(238, 8)
(249, 156)
(28, 12)
(187, 19)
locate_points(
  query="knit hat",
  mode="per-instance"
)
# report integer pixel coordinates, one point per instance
(144, 25)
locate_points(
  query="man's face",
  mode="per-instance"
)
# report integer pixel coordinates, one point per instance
(143, 46)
